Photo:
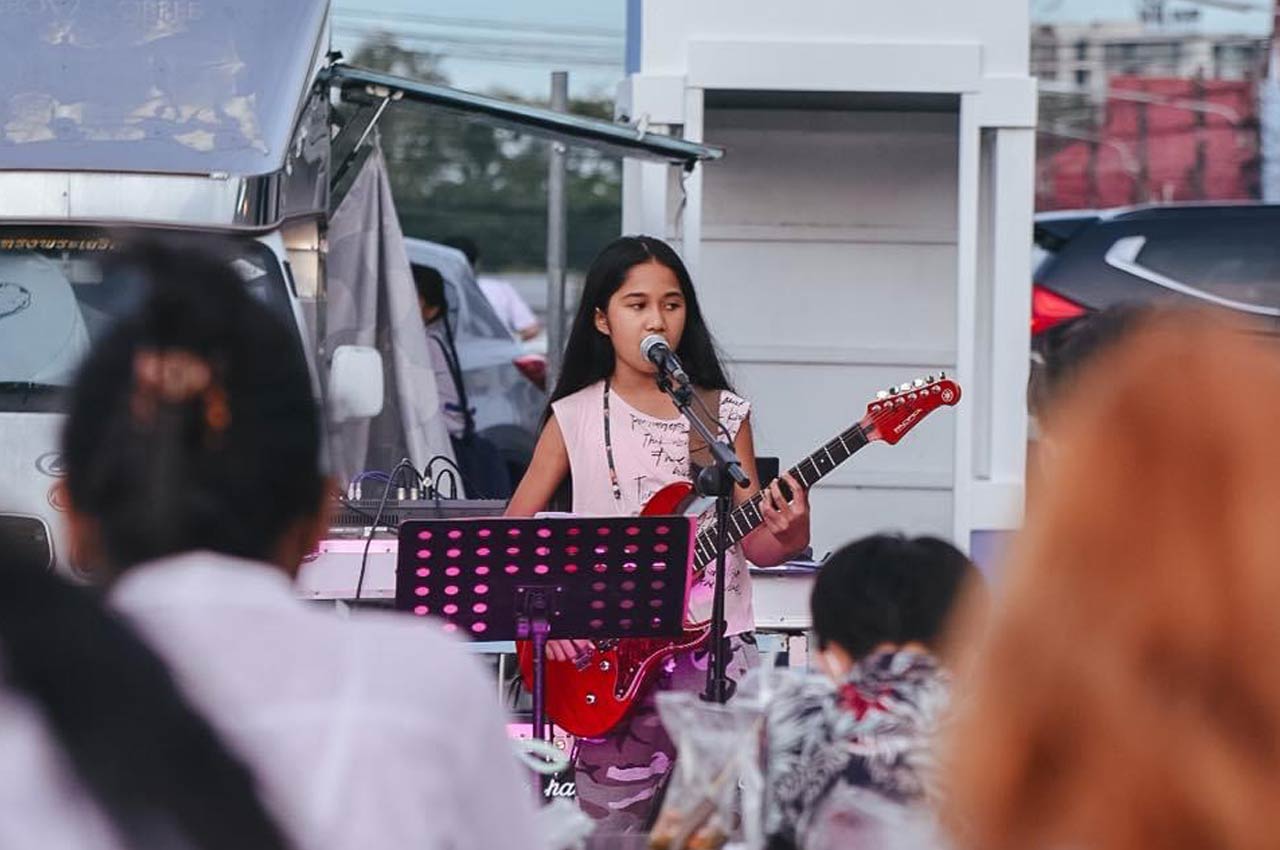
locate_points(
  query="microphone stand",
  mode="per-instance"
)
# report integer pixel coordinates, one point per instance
(714, 481)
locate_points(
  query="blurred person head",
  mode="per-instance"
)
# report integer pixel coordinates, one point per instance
(1074, 345)
(886, 592)
(467, 246)
(1125, 694)
(155, 768)
(429, 283)
(192, 424)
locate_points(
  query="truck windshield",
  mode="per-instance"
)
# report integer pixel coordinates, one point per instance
(55, 301)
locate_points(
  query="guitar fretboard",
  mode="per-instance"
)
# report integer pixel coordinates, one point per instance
(744, 518)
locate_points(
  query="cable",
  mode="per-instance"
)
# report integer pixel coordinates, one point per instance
(377, 518)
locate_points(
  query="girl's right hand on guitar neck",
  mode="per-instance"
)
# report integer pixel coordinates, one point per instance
(568, 650)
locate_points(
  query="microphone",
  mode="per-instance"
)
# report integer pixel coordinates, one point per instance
(655, 349)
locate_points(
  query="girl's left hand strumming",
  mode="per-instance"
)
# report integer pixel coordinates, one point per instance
(787, 521)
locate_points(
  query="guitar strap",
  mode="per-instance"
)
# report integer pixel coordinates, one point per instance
(707, 413)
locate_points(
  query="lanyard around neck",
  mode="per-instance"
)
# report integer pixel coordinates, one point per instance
(608, 449)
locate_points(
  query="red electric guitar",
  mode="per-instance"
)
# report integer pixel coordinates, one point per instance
(587, 696)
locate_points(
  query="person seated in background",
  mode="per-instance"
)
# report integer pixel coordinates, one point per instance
(880, 608)
(1124, 693)
(511, 308)
(101, 751)
(192, 451)
(434, 307)
(480, 462)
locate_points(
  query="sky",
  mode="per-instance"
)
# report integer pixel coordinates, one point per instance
(514, 45)
(502, 44)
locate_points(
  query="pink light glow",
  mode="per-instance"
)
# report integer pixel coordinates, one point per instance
(627, 604)
(450, 609)
(421, 591)
(657, 584)
(629, 567)
(596, 624)
(485, 532)
(450, 627)
(511, 569)
(478, 628)
(424, 535)
(544, 533)
(663, 529)
(597, 604)
(541, 569)
(451, 590)
(422, 572)
(455, 534)
(513, 550)
(660, 547)
(452, 572)
(421, 610)
(482, 570)
(424, 554)
(630, 549)
(633, 530)
(574, 531)
(454, 553)
(482, 589)
(483, 551)
(659, 566)
(542, 551)
(513, 532)
(480, 607)
(601, 567)
(570, 568)
(603, 531)
(628, 586)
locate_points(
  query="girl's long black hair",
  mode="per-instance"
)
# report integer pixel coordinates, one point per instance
(588, 356)
(156, 768)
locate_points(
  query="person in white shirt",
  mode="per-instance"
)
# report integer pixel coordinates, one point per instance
(511, 308)
(192, 454)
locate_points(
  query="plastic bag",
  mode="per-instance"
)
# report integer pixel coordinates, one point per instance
(713, 794)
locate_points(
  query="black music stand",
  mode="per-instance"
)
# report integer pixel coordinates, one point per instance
(553, 577)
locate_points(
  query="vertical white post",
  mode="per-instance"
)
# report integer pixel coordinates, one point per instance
(967, 226)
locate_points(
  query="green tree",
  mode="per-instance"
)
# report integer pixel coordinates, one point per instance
(453, 175)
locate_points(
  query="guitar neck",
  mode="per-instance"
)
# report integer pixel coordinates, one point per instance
(746, 517)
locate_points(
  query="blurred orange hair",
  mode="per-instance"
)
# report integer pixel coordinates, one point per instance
(1126, 695)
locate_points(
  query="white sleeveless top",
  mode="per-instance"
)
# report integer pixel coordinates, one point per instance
(648, 453)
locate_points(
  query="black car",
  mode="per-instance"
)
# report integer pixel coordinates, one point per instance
(1220, 255)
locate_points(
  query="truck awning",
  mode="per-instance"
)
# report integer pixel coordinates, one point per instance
(604, 136)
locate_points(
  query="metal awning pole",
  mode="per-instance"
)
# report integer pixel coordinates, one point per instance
(557, 245)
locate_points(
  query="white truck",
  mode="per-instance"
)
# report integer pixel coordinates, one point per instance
(229, 119)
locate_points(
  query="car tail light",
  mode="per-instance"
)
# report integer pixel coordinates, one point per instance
(1048, 308)
(533, 367)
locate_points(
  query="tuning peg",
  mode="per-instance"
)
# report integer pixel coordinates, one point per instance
(942, 376)
(906, 386)
(882, 395)
(917, 383)
(930, 379)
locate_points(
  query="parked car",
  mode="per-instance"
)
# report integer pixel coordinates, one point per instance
(1213, 255)
(506, 385)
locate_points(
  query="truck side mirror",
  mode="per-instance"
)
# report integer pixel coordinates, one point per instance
(355, 383)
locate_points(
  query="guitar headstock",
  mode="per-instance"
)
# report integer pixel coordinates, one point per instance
(897, 410)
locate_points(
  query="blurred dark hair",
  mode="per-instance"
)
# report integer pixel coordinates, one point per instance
(430, 285)
(466, 245)
(588, 355)
(888, 588)
(192, 423)
(156, 768)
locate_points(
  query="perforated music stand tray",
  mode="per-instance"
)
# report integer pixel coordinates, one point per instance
(548, 578)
